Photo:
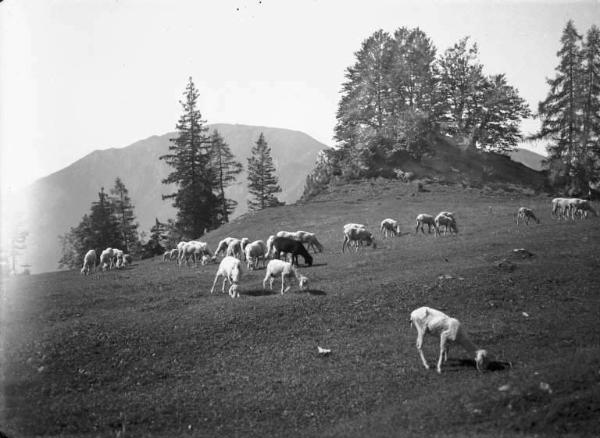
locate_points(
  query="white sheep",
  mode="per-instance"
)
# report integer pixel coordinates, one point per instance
(581, 207)
(230, 269)
(255, 252)
(106, 259)
(447, 221)
(118, 258)
(277, 268)
(234, 249)
(357, 235)
(223, 244)
(167, 255)
(89, 262)
(194, 250)
(425, 219)
(450, 331)
(389, 226)
(524, 213)
(180, 246)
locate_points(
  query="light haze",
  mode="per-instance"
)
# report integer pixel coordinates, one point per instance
(76, 76)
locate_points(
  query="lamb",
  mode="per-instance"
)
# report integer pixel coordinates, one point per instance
(389, 226)
(290, 246)
(230, 269)
(276, 268)
(255, 251)
(106, 259)
(174, 254)
(431, 321)
(357, 236)
(525, 214)
(89, 262)
(195, 250)
(446, 221)
(425, 219)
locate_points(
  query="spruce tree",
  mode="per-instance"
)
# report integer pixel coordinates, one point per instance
(189, 155)
(158, 235)
(561, 112)
(262, 181)
(225, 169)
(590, 141)
(123, 210)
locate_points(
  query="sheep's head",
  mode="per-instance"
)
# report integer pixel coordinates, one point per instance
(481, 360)
(303, 282)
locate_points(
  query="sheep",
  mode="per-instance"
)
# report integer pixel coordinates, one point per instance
(180, 246)
(358, 236)
(106, 259)
(195, 250)
(524, 213)
(425, 219)
(581, 206)
(118, 258)
(561, 207)
(127, 259)
(310, 239)
(431, 321)
(290, 246)
(389, 226)
(446, 221)
(230, 269)
(255, 251)
(244, 241)
(166, 255)
(234, 249)
(286, 270)
(89, 262)
(174, 254)
(222, 246)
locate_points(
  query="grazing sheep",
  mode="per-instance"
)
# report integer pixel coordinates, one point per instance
(581, 207)
(290, 246)
(446, 221)
(561, 207)
(358, 236)
(230, 269)
(389, 226)
(127, 259)
(425, 219)
(167, 255)
(106, 259)
(223, 244)
(255, 252)
(524, 213)
(244, 241)
(234, 249)
(310, 239)
(450, 331)
(276, 268)
(180, 246)
(89, 262)
(174, 254)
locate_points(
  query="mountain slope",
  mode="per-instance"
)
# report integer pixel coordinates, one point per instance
(58, 201)
(528, 158)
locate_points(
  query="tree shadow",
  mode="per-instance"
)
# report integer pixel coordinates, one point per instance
(259, 292)
(311, 292)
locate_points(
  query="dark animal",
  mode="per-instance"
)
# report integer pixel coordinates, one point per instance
(290, 246)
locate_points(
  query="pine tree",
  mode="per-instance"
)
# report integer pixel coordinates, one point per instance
(98, 230)
(190, 157)
(158, 235)
(225, 169)
(560, 112)
(590, 142)
(123, 210)
(262, 181)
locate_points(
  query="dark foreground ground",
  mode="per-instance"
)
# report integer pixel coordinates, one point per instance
(147, 351)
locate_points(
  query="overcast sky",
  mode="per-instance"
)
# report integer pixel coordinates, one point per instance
(76, 76)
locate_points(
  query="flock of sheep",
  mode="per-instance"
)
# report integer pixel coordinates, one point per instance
(286, 244)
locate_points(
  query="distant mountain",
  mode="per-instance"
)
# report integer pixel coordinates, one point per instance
(58, 201)
(528, 158)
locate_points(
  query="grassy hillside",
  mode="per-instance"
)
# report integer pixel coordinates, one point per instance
(149, 352)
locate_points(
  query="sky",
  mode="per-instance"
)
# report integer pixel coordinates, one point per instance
(76, 76)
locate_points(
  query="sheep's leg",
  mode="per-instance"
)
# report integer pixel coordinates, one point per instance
(223, 285)
(214, 283)
(443, 341)
(420, 335)
(265, 280)
(282, 283)
(271, 282)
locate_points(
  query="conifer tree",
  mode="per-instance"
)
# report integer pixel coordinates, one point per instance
(225, 169)
(158, 235)
(189, 155)
(123, 210)
(561, 114)
(590, 141)
(262, 181)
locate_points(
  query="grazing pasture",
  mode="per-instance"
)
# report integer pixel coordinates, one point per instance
(148, 351)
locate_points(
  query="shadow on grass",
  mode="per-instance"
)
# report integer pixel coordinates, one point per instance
(312, 292)
(260, 292)
(493, 365)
